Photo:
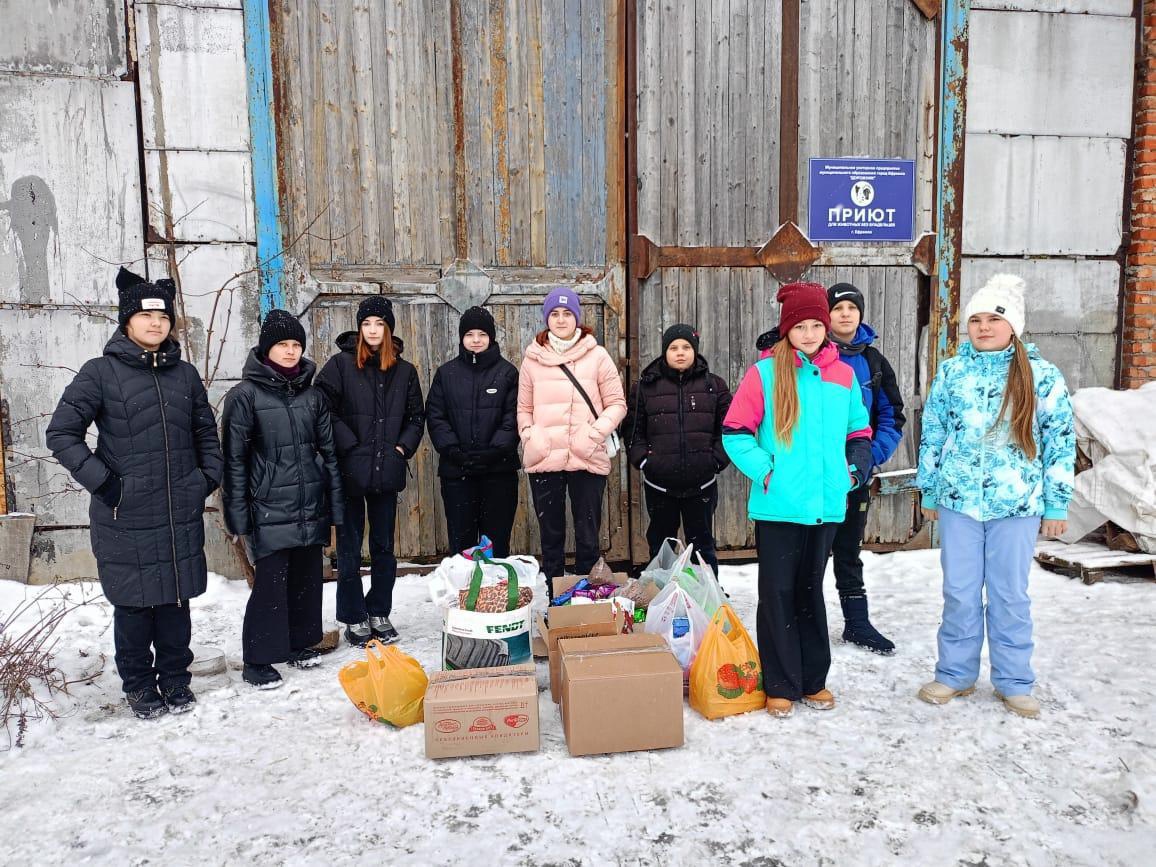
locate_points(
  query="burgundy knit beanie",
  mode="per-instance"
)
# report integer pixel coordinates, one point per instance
(802, 301)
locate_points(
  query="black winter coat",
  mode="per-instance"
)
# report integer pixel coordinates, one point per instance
(673, 427)
(282, 486)
(472, 414)
(156, 432)
(374, 411)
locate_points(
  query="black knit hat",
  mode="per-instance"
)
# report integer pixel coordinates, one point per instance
(377, 305)
(135, 294)
(477, 318)
(680, 332)
(845, 292)
(279, 325)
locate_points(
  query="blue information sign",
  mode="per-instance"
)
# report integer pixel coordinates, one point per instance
(861, 199)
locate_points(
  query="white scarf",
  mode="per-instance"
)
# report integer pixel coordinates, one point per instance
(562, 346)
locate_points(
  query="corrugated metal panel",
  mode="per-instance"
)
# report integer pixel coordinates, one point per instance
(1043, 195)
(40, 352)
(69, 188)
(192, 75)
(218, 304)
(85, 38)
(210, 194)
(1091, 7)
(1050, 74)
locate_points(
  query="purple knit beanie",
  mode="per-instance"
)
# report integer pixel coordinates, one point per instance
(562, 296)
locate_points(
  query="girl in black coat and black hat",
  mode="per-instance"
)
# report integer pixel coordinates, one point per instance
(673, 432)
(378, 422)
(282, 492)
(473, 423)
(157, 457)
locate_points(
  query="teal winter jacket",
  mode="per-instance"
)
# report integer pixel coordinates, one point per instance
(968, 465)
(830, 450)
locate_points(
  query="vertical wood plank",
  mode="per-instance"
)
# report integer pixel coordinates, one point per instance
(383, 132)
(536, 133)
(365, 144)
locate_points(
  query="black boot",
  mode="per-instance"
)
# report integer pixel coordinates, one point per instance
(306, 657)
(147, 703)
(261, 676)
(857, 627)
(180, 699)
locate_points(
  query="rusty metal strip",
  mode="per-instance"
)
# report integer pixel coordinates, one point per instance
(461, 238)
(787, 255)
(789, 115)
(929, 8)
(944, 322)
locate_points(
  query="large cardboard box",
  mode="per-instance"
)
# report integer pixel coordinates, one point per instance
(620, 693)
(482, 712)
(601, 619)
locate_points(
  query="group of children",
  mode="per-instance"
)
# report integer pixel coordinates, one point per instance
(306, 450)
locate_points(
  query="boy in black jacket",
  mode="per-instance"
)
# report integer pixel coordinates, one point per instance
(673, 432)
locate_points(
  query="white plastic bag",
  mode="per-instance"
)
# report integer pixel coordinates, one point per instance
(659, 569)
(454, 574)
(680, 621)
(698, 579)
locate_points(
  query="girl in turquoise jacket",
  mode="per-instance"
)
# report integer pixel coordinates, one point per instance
(797, 428)
(996, 458)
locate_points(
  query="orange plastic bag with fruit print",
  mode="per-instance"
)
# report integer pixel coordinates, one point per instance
(726, 677)
(388, 687)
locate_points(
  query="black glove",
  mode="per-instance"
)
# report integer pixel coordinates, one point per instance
(110, 491)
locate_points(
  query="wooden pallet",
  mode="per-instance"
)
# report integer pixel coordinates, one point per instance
(1092, 562)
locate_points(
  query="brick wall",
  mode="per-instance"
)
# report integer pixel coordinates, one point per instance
(1138, 334)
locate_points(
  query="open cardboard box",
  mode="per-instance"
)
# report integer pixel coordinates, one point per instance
(482, 712)
(574, 621)
(620, 693)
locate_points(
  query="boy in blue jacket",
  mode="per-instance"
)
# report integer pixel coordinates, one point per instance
(884, 406)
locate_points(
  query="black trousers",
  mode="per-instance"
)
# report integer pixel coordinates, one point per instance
(794, 648)
(549, 492)
(848, 542)
(354, 605)
(137, 631)
(695, 513)
(284, 610)
(481, 506)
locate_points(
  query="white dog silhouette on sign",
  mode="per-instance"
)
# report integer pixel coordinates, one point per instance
(862, 193)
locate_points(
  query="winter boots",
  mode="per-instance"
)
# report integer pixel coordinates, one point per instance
(306, 657)
(780, 707)
(1022, 705)
(147, 703)
(358, 634)
(821, 700)
(180, 699)
(857, 627)
(383, 630)
(261, 676)
(940, 693)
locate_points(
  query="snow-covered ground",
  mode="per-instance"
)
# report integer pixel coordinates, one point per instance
(299, 776)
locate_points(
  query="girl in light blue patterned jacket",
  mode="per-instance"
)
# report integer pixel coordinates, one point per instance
(997, 456)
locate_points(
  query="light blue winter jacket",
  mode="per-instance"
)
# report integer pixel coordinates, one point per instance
(966, 466)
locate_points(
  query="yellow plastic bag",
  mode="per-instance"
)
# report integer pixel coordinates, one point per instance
(388, 687)
(726, 677)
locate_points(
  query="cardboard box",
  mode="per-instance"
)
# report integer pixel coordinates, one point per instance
(598, 618)
(482, 712)
(620, 693)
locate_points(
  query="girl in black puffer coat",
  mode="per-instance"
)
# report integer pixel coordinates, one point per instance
(378, 421)
(157, 457)
(282, 492)
(673, 434)
(473, 423)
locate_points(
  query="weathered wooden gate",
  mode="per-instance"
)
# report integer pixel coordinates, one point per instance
(732, 99)
(450, 154)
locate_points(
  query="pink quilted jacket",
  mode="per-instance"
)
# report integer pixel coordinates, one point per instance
(558, 433)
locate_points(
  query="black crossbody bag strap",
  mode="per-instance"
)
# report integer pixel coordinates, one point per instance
(581, 390)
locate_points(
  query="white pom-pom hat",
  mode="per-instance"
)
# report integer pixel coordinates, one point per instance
(1003, 295)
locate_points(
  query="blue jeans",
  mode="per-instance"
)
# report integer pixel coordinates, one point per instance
(996, 556)
(353, 604)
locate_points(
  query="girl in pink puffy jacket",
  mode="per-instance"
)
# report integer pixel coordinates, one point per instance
(563, 442)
